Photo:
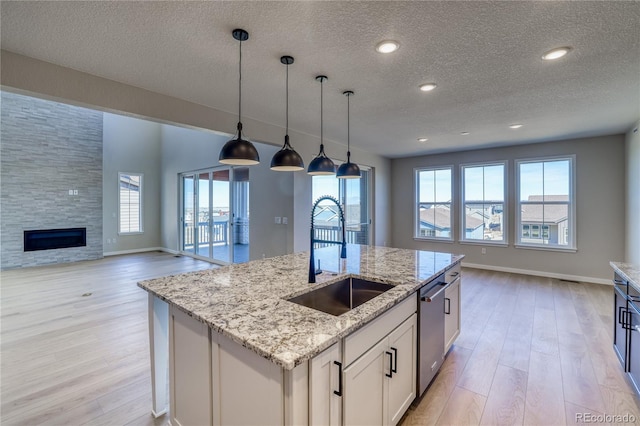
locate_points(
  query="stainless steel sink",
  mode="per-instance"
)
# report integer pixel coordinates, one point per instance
(341, 296)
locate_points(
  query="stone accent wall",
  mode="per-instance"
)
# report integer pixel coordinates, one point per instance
(47, 149)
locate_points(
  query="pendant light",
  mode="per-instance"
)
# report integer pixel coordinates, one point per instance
(287, 159)
(348, 170)
(321, 165)
(239, 151)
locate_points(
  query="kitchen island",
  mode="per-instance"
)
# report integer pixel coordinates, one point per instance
(240, 352)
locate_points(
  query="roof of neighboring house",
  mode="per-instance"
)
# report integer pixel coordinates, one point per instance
(443, 218)
(548, 213)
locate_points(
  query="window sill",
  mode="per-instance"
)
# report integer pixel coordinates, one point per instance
(543, 248)
(433, 240)
(131, 233)
(484, 243)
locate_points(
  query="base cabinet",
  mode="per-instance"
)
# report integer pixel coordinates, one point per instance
(326, 387)
(381, 384)
(452, 313)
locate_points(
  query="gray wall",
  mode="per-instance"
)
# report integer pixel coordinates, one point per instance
(600, 197)
(56, 82)
(47, 149)
(270, 193)
(131, 145)
(632, 154)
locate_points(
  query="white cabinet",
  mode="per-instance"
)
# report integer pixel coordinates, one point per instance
(381, 384)
(326, 387)
(189, 363)
(452, 313)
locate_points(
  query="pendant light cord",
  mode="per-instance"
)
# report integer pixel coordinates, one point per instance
(240, 86)
(321, 116)
(348, 130)
(287, 100)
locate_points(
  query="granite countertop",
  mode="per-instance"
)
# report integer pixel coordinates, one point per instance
(629, 272)
(247, 302)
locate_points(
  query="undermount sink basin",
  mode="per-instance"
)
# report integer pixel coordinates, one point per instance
(341, 296)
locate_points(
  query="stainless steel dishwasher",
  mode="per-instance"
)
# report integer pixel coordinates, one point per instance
(431, 331)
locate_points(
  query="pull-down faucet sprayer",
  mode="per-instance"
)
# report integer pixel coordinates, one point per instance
(343, 243)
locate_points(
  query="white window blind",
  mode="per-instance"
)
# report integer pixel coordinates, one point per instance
(130, 203)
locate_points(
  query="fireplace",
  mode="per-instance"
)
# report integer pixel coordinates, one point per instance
(47, 239)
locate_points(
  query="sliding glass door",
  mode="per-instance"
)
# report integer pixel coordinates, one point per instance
(215, 214)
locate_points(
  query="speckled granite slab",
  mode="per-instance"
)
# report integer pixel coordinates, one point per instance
(629, 272)
(247, 302)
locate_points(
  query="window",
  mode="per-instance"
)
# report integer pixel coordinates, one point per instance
(433, 204)
(546, 203)
(483, 199)
(353, 195)
(130, 202)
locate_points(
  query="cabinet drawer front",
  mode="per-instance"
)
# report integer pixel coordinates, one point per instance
(453, 273)
(361, 340)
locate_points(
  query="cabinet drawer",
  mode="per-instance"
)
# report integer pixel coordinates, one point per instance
(452, 273)
(361, 340)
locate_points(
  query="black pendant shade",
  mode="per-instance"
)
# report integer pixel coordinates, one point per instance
(287, 159)
(321, 165)
(239, 151)
(348, 170)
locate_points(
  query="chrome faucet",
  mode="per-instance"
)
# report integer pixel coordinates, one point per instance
(343, 250)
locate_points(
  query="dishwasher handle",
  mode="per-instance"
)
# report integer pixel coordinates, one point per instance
(431, 295)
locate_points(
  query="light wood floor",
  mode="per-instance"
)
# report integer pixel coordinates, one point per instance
(532, 350)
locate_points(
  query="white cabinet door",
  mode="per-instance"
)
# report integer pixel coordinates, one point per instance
(452, 314)
(402, 384)
(190, 377)
(364, 389)
(325, 392)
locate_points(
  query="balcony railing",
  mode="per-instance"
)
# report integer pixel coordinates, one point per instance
(220, 234)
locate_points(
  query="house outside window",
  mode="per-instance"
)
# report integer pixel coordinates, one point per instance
(483, 203)
(546, 203)
(130, 203)
(433, 208)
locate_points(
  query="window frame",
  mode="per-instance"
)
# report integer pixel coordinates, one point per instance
(140, 213)
(571, 229)
(505, 204)
(416, 203)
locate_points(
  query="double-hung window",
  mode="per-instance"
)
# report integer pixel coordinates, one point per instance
(483, 203)
(130, 203)
(433, 208)
(546, 203)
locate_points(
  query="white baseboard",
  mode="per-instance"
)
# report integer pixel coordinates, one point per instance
(538, 273)
(140, 250)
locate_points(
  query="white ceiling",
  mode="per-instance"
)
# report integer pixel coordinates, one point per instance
(484, 56)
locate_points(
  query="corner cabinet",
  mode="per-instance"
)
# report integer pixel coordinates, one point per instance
(452, 308)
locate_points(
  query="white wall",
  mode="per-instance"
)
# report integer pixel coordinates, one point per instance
(600, 196)
(270, 193)
(632, 154)
(131, 145)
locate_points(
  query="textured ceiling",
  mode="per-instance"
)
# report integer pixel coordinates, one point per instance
(484, 56)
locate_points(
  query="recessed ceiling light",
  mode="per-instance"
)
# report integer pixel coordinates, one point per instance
(556, 53)
(464, 133)
(427, 87)
(422, 139)
(515, 126)
(387, 46)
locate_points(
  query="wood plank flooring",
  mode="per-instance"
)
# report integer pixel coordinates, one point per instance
(532, 350)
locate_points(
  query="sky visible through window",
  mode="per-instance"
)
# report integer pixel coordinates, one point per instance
(537, 178)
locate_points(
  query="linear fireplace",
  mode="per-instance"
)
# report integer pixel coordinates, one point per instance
(46, 239)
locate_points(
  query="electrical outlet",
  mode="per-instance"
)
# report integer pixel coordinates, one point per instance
(108, 240)
(484, 250)
(278, 220)
(285, 221)
(114, 240)
(71, 192)
(75, 192)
